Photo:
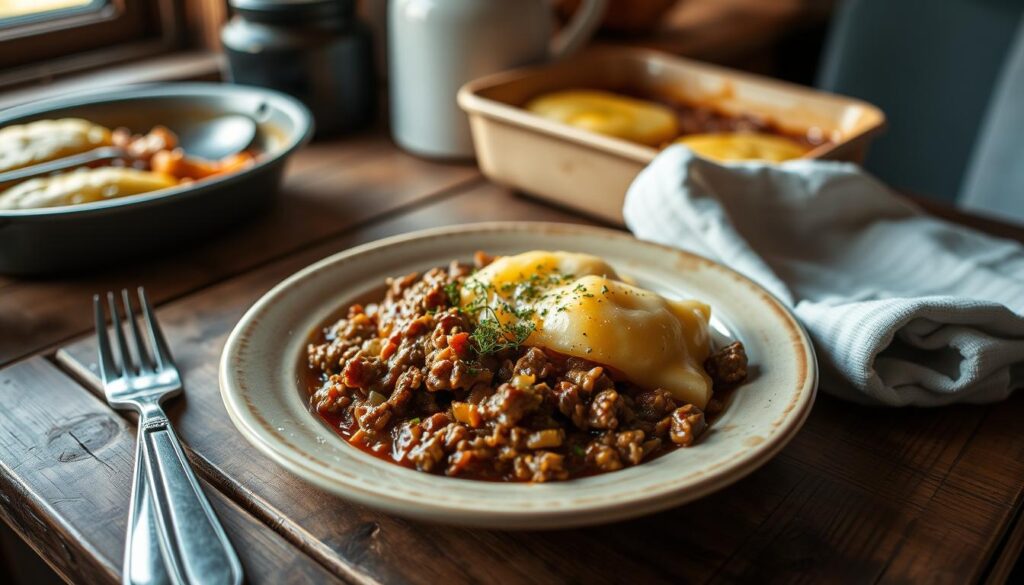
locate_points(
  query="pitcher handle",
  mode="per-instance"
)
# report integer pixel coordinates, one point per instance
(578, 30)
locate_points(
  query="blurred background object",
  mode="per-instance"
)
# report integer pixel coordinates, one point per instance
(375, 14)
(527, 125)
(436, 47)
(994, 184)
(631, 17)
(318, 51)
(932, 67)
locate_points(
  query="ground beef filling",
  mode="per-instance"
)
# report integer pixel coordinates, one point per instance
(401, 380)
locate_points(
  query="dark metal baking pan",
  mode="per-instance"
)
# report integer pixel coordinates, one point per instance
(77, 237)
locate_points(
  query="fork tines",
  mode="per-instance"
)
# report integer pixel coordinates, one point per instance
(155, 358)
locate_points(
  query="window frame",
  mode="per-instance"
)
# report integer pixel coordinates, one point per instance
(78, 38)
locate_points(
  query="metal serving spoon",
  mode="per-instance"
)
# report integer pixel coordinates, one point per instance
(219, 137)
(213, 139)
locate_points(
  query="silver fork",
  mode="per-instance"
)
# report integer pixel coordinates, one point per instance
(173, 534)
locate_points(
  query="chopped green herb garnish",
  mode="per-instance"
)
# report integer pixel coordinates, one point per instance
(491, 335)
(452, 290)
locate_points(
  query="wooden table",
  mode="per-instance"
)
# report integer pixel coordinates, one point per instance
(861, 494)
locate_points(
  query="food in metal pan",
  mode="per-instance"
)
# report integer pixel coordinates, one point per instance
(42, 141)
(83, 185)
(139, 163)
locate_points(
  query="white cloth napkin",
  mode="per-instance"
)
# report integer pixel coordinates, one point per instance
(904, 309)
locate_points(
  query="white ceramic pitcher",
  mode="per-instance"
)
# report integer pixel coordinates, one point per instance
(435, 46)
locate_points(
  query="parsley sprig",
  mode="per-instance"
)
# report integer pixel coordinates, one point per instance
(491, 333)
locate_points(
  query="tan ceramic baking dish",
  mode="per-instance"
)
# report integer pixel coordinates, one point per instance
(591, 172)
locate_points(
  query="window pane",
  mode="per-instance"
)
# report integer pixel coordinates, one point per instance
(22, 10)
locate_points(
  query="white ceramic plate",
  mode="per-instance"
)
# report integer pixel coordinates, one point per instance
(260, 387)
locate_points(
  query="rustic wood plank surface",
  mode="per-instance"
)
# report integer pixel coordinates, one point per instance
(329, 189)
(67, 494)
(918, 495)
(861, 494)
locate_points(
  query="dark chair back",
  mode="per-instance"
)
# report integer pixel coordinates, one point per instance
(931, 66)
